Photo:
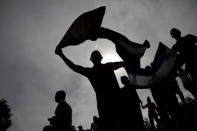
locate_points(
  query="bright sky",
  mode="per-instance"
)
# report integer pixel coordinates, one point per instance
(31, 73)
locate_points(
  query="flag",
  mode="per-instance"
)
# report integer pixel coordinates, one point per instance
(129, 51)
(83, 27)
(165, 62)
(133, 48)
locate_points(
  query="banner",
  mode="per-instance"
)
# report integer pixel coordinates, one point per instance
(165, 62)
(83, 28)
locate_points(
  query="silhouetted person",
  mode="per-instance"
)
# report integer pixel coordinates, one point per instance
(63, 113)
(159, 95)
(164, 94)
(152, 114)
(131, 115)
(80, 128)
(95, 126)
(188, 82)
(73, 128)
(174, 87)
(105, 85)
(187, 48)
(170, 89)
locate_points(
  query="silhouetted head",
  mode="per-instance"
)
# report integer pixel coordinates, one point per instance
(175, 33)
(96, 57)
(94, 118)
(124, 80)
(148, 68)
(80, 127)
(148, 99)
(73, 127)
(59, 96)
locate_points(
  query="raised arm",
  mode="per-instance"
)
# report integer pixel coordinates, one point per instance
(115, 65)
(70, 64)
(145, 106)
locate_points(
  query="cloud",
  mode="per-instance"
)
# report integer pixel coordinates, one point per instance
(30, 71)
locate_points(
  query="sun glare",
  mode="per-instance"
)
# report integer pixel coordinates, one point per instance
(110, 58)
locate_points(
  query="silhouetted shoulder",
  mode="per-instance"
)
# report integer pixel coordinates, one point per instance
(191, 38)
(82, 70)
(114, 65)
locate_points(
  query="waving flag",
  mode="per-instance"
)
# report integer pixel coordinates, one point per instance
(88, 26)
(165, 62)
(83, 27)
(131, 53)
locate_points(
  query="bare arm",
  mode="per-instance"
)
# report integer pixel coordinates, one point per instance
(116, 65)
(145, 106)
(70, 64)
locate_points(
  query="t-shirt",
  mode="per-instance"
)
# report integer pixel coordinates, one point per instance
(63, 114)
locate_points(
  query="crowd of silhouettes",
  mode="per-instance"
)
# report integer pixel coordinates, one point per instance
(63, 114)
(130, 112)
(120, 108)
(152, 112)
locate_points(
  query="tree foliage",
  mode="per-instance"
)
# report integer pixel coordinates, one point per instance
(5, 115)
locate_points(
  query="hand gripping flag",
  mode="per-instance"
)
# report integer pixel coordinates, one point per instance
(83, 28)
(165, 62)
